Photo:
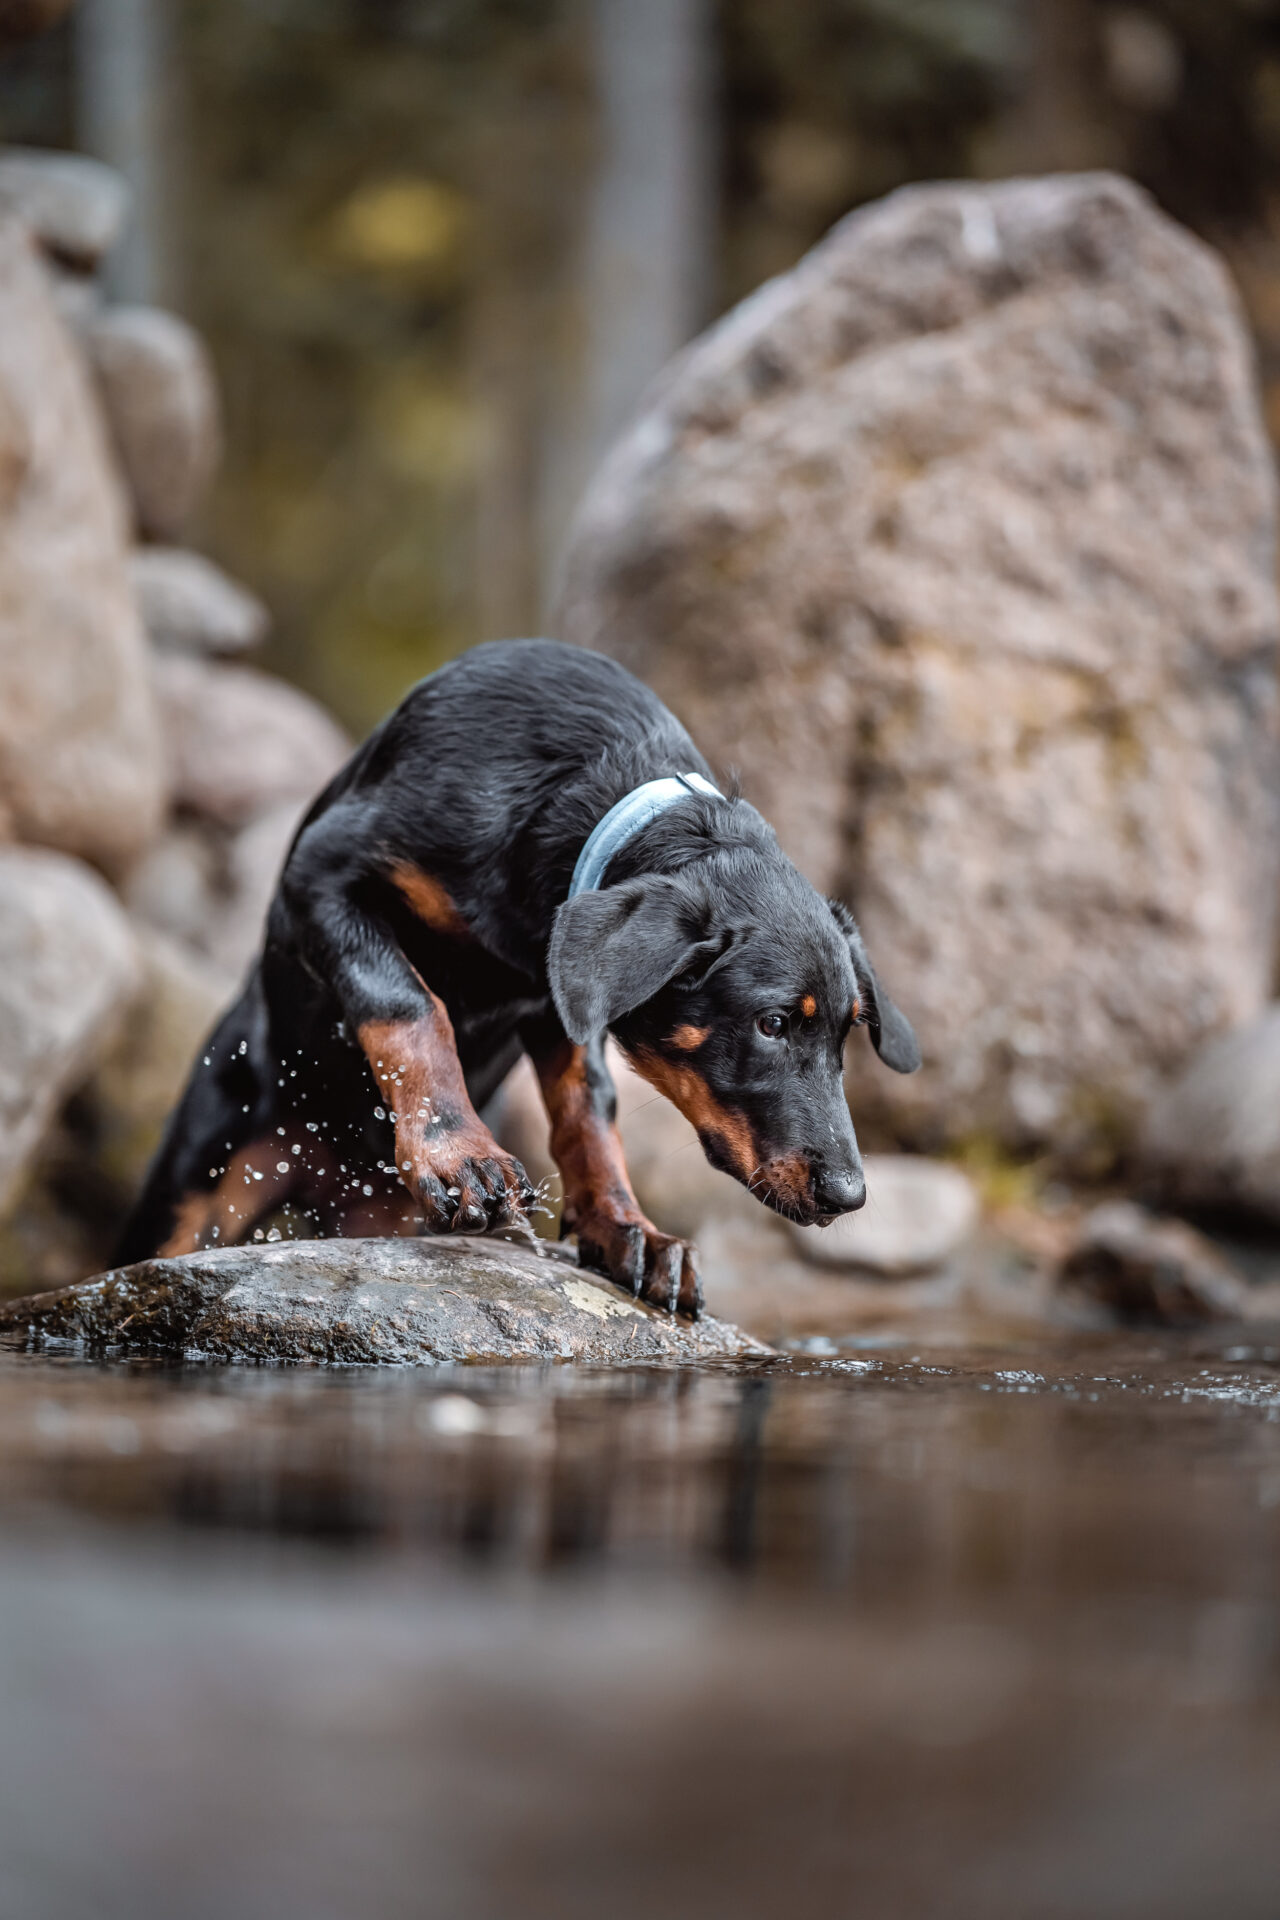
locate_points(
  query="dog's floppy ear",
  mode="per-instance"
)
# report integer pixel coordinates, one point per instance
(891, 1032)
(611, 951)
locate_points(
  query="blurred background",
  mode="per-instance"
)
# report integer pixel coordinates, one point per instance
(439, 248)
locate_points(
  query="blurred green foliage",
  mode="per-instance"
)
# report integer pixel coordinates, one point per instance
(379, 209)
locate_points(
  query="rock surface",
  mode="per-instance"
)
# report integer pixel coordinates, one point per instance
(75, 207)
(1213, 1138)
(958, 540)
(189, 605)
(240, 742)
(1151, 1271)
(80, 764)
(410, 1302)
(918, 1214)
(67, 970)
(158, 392)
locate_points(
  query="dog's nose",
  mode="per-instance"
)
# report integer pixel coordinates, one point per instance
(839, 1189)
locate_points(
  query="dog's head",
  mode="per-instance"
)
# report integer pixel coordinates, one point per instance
(732, 988)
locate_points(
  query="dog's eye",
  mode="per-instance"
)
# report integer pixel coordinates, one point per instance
(772, 1025)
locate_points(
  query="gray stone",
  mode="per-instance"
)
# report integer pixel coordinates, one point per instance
(254, 860)
(240, 742)
(75, 207)
(80, 765)
(189, 605)
(1151, 1271)
(409, 1302)
(179, 886)
(133, 1089)
(918, 1214)
(158, 392)
(68, 968)
(1213, 1137)
(959, 541)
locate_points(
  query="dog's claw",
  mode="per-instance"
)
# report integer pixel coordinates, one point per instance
(651, 1266)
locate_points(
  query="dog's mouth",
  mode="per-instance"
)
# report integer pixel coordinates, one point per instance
(783, 1182)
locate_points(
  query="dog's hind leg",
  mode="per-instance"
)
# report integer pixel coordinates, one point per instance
(216, 1172)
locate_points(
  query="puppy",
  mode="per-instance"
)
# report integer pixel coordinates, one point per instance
(529, 854)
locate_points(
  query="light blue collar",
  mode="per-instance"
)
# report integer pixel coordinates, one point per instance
(635, 810)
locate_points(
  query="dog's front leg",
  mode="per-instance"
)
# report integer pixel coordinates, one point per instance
(445, 1155)
(614, 1237)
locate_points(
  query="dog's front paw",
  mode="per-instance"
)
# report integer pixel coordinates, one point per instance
(653, 1266)
(464, 1182)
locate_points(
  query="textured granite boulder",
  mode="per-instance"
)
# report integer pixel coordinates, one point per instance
(80, 765)
(409, 1302)
(158, 391)
(1212, 1138)
(959, 541)
(68, 968)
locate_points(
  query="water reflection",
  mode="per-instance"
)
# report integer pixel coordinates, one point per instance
(932, 1635)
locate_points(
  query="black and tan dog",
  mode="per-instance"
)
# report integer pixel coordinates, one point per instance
(527, 855)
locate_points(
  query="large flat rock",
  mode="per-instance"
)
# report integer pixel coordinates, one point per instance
(353, 1302)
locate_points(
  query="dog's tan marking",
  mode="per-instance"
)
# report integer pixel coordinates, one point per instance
(688, 1038)
(808, 1006)
(685, 1087)
(856, 1010)
(431, 902)
(416, 1066)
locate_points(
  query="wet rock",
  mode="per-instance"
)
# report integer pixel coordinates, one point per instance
(75, 207)
(68, 968)
(1213, 1138)
(80, 765)
(189, 605)
(958, 539)
(158, 391)
(409, 1302)
(1151, 1271)
(240, 742)
(918, 1214)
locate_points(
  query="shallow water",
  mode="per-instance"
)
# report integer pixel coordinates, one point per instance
(890, 1633)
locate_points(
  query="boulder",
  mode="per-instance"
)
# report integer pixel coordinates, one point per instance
(409, 1302)
(1212, 1138)
(75, 207)
(158, 392)
(1150, 1271)
(918, 1214)
(80, 765)
(240, 742)
(189, 605)
(179, 886)
(127, 1101)
(958, 540)
(254, 860)
(68, 968)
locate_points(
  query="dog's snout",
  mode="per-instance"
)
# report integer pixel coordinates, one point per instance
(839, 1189)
